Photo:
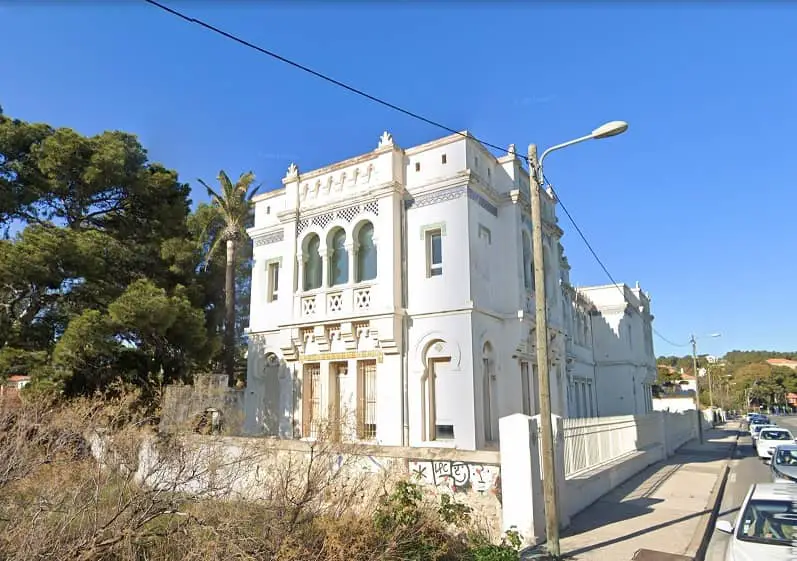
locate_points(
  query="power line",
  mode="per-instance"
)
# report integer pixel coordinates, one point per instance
(315, 73)
(389, 105)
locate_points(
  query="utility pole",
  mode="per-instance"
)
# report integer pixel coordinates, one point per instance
(548, 468)
(697, 390)
(710, 387)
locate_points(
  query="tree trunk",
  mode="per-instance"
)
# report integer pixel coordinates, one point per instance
(229, 315)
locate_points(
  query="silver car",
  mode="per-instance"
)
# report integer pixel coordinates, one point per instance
(784, 464)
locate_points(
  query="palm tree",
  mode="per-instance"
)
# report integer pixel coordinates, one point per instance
(235, 210)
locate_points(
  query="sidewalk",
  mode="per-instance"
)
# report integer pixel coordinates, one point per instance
(659, 509)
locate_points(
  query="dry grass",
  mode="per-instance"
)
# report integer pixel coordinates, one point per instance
(154, 498)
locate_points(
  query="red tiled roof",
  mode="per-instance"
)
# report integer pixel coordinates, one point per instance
(782, 361)
(17, 378)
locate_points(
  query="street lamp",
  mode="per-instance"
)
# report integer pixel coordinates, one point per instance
(693, 340)
(536, 180)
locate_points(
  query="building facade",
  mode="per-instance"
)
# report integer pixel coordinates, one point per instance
(392, 302)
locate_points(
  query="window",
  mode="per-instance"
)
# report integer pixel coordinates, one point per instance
(583, 386)
(417, 166)
(528, 277)
(366, 391)
(525, 389)
(434, 253)
(590, 402)
(311, 400)
(489, 173)
(475, 162)
(444, 432)
(488, 400)
(484, 234)
(273, 281)
(268, 210)
(444, 159)
(312, 267)
(366, 253)
(339, 260)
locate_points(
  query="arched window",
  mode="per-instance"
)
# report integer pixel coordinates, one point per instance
(338, 259)
(312, 267)
(366, 253)
(528, 266)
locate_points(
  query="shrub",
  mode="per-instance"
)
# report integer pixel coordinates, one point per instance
(58, 501)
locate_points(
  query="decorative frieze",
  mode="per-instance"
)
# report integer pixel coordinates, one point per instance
(378, 355)
(451, 194)
(482, 202)
(437, 197)
(347, 214)
(273, 237)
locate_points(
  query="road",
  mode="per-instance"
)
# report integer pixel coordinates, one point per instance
(745, 469)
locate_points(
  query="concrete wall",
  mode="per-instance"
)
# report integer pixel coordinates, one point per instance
(249, 469)
(188, 408)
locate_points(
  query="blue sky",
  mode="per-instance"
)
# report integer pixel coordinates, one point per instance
(696, 201)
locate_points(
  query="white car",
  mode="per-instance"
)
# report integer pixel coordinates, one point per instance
(766, 526)
(755, 429)
(769, 438)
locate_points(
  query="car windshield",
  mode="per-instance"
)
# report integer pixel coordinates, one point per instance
(770, 522)
(786, 458)
(775, 435)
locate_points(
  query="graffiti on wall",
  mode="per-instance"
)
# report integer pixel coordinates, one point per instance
(457, 476)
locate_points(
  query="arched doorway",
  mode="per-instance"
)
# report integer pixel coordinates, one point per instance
(489, 397)
(437, 410)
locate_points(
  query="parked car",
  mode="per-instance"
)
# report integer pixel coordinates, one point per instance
(769, 438)
(756, 429)
(766, 525)
(784, 464)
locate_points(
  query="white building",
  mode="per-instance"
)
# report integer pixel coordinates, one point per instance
(392, 295)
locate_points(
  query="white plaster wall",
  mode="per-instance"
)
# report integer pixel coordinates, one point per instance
(429, 158)
(496, 273)
(674, 404)
(451, 290)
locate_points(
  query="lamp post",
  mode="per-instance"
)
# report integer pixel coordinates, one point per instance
(536, 180)
(693, 340)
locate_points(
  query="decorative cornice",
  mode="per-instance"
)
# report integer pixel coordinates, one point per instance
(270, 238)
(552, 229)
(436, 197)
(482, 202)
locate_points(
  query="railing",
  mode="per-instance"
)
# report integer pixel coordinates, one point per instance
(336, 301)
(589, 443)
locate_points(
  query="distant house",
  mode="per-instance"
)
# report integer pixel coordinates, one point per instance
(791, 399)
(688, 383)
(10, 389)
(782, 362)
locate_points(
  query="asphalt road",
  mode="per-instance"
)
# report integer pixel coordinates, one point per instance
(745, 470)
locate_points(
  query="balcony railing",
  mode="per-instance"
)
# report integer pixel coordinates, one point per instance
(334, 301)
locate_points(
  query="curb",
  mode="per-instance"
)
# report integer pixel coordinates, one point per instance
(705, 526)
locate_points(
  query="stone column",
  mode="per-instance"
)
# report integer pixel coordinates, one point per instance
(324, 253)
(352, 249)
(297, 300)
(350, 257)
